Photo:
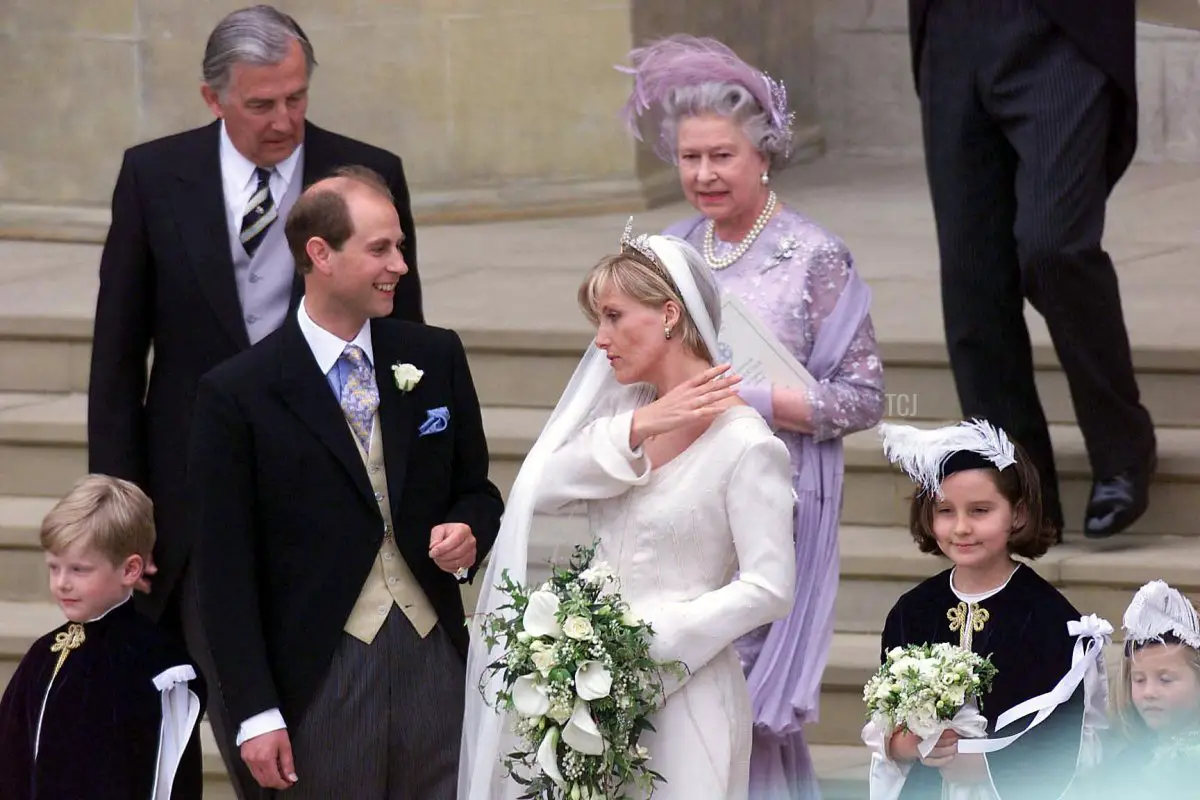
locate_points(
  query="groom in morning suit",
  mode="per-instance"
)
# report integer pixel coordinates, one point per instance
(337, 500)
(196, 266)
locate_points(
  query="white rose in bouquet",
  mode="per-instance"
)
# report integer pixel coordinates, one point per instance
(577, 628)
(543, 658)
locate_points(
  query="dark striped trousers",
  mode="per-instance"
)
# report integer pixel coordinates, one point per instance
(385, 722)
(1016, 125)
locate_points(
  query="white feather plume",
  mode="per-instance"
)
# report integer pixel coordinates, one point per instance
(1158, 610)
(923, 453)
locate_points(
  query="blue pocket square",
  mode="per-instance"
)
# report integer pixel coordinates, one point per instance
(436, 420)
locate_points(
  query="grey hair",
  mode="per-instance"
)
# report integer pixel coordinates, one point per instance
(260, 35)
(732, 101)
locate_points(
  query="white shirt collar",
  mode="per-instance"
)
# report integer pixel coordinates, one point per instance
(112, 609)
(325, 346)
(239, 170)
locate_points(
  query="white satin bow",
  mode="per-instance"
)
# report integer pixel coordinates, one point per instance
(1087, 662)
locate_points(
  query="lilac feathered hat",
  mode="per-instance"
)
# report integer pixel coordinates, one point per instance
(682, 60)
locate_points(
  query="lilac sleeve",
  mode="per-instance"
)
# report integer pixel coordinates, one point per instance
(852, 398)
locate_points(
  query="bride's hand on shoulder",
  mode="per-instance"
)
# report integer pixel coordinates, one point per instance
(699, 398)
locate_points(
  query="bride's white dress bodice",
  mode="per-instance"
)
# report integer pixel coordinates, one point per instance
(702, 547)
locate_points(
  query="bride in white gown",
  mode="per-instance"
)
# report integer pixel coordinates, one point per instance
(690, 498)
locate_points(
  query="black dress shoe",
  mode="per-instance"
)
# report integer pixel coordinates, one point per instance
(1117, 502)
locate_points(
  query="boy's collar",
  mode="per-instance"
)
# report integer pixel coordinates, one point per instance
(112, 608)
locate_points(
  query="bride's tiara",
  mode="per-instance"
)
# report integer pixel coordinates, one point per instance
(639, 244)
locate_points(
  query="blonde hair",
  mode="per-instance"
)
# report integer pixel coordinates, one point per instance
(1128, 721)
(644, 282)
(110, 514)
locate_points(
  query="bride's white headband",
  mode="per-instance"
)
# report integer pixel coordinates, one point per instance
(666, 254)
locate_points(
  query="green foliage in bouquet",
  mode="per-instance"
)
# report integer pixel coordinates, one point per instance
(921, 685)
(580, 682)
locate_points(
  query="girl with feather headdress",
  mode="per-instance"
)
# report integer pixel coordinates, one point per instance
(978, 504)
(1157, 700)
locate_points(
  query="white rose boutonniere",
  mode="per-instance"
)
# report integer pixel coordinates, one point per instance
(406, 376)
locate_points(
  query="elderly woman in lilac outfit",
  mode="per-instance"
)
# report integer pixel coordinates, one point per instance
(726, 126)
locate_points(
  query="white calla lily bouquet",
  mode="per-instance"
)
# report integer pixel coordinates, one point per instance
(922, 688)
(579, 681)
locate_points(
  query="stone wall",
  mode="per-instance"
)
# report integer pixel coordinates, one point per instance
(499, 107)
(867, 105)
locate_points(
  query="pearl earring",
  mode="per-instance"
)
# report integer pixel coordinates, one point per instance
(765, 179)
(667, 331)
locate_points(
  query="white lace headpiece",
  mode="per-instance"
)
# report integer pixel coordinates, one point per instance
(928, 456)
(1158, 611)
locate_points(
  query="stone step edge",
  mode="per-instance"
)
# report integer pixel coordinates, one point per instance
(1181, 359)
(868, 553)
(853, 657)
(838, 765)
(60, 420)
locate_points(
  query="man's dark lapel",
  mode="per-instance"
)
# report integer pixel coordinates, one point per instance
(198, 203)
(399, 416)
(397, 413)
(306, 392)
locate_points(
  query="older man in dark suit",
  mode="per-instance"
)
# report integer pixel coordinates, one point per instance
(196, 267)
(339, 471)
(1030, 118)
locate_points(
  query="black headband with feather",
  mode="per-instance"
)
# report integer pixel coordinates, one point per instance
(930, 456)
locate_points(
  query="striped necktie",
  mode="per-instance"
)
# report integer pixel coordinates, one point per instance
(260, 213)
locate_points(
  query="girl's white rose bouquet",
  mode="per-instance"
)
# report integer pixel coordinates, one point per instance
(579, 681)
(927, 689)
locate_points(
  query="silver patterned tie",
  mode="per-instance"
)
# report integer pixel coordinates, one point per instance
(360, 395)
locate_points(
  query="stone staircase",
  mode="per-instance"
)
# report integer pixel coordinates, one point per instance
(523, 338)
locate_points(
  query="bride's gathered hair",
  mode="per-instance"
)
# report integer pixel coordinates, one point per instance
(644, 282)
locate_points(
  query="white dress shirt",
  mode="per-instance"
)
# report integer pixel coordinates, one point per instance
(239, 184)
(327, 348)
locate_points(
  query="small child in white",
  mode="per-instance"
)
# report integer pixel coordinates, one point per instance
(1157, 700)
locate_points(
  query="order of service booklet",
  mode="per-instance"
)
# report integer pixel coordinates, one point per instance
(756, 355)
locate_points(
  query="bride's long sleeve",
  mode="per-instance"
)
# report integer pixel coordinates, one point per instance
(596, 463)
(759, 503)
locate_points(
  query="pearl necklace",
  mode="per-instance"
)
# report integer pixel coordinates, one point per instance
(740, 250)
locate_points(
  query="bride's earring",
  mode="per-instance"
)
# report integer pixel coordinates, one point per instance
(667, 331)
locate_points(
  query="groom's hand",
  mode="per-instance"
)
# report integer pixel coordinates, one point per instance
(452, 547)
(269, 758)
